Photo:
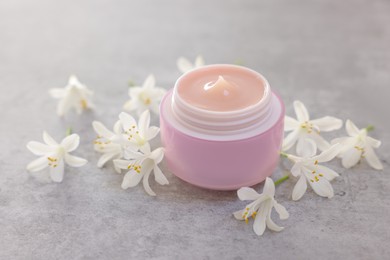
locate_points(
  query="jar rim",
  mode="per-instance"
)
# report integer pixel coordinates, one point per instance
(266, 94)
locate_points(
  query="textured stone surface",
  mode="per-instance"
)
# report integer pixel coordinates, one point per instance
(332, 55)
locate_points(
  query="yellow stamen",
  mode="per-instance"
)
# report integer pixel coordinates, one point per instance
(147, 101)
(84, 104)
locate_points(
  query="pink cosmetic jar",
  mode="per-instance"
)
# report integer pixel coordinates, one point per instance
(222, 150)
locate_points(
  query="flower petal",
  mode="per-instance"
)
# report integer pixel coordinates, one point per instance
(340, 140)
(157, 155)
(101, 130)
(259, 223)
(57, 173)
(38, 164)
(328, 173)
(351, 157)
(199, 61)
(149, 82)
(159, 176)
(299, 188)
(322, 144)
(48, 139)
(269, 187)
(184, 65)
(57, 92)
(290, 139)
(132, 154)
(290, 123)
(118, 170)
(141, 108)
(71, 142)
(296, 169)
(328, 154)
(281, 210)
(156, 94)
(246, 193)
(63, 106)
(130, 105)
(145, 148)
(306, 147)
(345, 144)
(108, 148)
(127, 121)
(151, 133)
(351, 128)
(122, 164)
(372, 159)
(38, 148)
(145, 182)
(271, 224)
(118, 128)
(322, 187)
(143, 123)
(74, 161)
(131, 179)
(301, 111)
(373, 142)
(73, 81)
(239, 214)
(328, 123)
(134, 93)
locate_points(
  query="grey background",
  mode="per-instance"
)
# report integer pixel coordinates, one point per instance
(332, 55)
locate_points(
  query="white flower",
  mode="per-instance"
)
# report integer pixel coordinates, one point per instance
(309, 170)
(74, 95)
(140, 166)
(54, 155)
(146, 97)
(111, 144)
(261, 207)
(358, 146)
(305, 129)
(138, 136)
(185, 65)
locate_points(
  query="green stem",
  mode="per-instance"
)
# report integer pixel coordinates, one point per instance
(279, 181)
(131, 83)
(370, 128)
(239, 62)
(68, 131)
(283, 154)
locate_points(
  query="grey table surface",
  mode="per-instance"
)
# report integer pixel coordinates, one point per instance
(332, 55)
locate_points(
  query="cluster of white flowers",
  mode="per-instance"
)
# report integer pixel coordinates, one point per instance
(306, 134)
(128, 146)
